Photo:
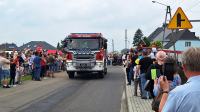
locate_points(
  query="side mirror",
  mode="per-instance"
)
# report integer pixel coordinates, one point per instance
(64, 43)
(105, 46)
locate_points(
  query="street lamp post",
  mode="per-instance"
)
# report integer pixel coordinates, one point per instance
(168, 11)
(128, 43)
(159, 3)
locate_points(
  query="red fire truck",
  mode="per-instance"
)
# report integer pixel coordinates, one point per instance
(86, 52)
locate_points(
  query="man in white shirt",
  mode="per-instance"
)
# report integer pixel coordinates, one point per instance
(184, 98)
(5, 66)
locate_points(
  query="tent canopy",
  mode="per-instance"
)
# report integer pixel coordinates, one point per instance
(54, 52)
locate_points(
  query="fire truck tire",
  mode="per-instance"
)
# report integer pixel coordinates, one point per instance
(71, 75)
(101, 74)
(105, 71)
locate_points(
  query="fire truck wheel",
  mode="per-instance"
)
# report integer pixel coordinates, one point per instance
(105, 72)
(101, 74)
(71, 75)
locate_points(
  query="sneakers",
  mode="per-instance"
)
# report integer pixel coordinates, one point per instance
(144, 97)
(6, 86)
(129, 84)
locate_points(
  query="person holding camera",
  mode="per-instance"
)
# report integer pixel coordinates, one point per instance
(170, 71)
(184, 98)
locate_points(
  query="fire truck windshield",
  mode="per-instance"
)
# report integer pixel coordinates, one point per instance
(80, 43)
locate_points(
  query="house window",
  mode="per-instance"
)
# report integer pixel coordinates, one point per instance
(187, 44)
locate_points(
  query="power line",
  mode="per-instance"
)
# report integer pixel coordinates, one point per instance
(192, 7)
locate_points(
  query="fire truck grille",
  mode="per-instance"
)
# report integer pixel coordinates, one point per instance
(84, 56)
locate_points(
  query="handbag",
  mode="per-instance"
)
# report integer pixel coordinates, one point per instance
(156, 102)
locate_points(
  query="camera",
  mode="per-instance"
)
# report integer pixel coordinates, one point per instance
(169, 69)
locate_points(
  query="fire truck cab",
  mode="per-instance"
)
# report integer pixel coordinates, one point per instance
(86, 52)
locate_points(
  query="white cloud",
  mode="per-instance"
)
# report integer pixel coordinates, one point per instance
(51, 20)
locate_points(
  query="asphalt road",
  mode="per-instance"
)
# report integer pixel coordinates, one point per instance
(83, 94)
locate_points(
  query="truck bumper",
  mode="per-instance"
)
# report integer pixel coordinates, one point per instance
(98, 67)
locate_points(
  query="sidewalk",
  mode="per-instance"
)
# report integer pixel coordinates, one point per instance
(135, 103)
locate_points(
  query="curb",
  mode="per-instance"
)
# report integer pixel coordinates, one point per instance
(127, 95)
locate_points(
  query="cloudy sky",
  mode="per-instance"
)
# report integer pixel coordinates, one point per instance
(22, 21)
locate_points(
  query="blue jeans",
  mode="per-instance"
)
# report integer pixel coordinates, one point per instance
(130, 75)
(37, 72)
(51, 67)
(143, 81)
(1, 75)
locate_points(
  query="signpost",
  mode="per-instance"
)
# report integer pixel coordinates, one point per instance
(179, 21)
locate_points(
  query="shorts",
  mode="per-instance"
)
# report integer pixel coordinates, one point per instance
(6, 74)
(51, 67)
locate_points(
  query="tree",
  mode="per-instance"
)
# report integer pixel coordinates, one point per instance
(137, 37)
(58, 46)
(158, 44)
(147, 41)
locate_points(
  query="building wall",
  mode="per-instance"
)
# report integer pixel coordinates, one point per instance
(159, 37)
(180, 45)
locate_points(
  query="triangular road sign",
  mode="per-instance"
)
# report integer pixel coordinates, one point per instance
(179, 21)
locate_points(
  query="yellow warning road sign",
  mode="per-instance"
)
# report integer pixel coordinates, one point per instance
(179, 21)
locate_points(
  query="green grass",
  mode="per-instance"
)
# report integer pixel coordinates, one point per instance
(26, 77)
(23, 78)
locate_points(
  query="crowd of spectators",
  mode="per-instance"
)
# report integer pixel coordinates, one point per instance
(39, 65)
(144, 67)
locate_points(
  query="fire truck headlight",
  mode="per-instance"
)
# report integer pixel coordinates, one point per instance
(69, 64)
(99, 64)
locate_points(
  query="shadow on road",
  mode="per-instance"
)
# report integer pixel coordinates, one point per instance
(88, 76)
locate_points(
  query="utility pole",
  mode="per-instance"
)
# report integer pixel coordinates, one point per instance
(113, 49)
(168, 12)
(125, 38)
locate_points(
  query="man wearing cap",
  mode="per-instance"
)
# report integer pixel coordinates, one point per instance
(184, 98)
